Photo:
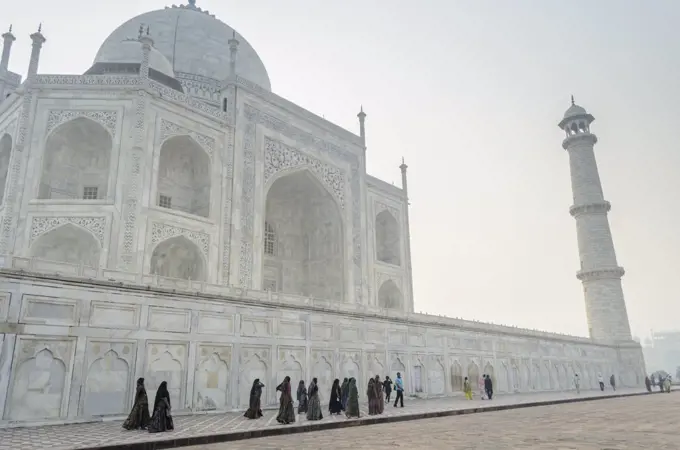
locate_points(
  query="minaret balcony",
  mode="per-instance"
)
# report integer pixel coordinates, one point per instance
(579, 138)
(610, 273)
(602, 207)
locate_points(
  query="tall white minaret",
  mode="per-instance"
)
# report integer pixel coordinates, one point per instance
(600, 272)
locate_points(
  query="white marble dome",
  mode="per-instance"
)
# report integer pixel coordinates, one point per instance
(131, 51)
(193, 41)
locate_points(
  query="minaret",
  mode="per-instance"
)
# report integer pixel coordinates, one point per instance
(362, 124)
(409, 273)
(600, 272)
(146, 41)
(38, 41)
(233, 51)
(7, 41)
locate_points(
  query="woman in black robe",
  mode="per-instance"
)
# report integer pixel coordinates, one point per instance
(353, 400)
(302, 397)
(286, 407)
(314, 411)
(161, 419)
(139, 415)
(335, 405)
(254, 406)
(344, 393)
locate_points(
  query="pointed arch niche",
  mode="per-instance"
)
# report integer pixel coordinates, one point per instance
(178, 257)
(387, 238)
(68, 243)
(5, 153)
(183, 182)
(390, 296)
(308, 258)
(76, 162)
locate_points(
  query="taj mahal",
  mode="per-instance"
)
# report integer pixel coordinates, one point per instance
(166, 215)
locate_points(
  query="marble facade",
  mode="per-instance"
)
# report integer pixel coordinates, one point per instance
(73, 348)
(194, 227)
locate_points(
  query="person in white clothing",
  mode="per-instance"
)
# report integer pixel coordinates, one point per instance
(601, 381)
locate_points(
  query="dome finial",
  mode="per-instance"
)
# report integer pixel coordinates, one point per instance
(572, 99)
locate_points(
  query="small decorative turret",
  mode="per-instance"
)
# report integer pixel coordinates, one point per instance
(233, 52)
(7, 41)
(38, 41)
(147, 44)
(362, 124)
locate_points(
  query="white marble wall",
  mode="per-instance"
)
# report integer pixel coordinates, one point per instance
(75, 350)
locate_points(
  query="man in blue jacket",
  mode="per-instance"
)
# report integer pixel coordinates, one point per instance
(399, 387)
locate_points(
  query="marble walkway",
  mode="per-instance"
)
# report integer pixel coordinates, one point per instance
(629, 423)
(95, 434)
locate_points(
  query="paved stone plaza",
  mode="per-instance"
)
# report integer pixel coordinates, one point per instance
(88, 435)
(617, 423)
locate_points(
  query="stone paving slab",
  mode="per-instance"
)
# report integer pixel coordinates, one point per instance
(203, 429)
(630, 423)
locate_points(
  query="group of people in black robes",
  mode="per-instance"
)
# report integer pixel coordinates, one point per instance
(343, 398)
(160, 420)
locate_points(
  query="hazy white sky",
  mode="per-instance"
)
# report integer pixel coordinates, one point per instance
(470, 92)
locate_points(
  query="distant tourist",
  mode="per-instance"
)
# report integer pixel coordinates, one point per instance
(399, 387)
(601, 381)
(139, 415)
(648, 384)
(372, 397)
(653, 380)
(352, 409)
(302, 397)
(344, 393)
(335, 404)
(577, 383)
(378, 393)
(314, 411)
(661, 382)
(387, 386)
(286, 408)
(480, 385)
(162, 419)
(254, 403)
(667, 384)
(467, 388)
(488, 386)
(612, 381)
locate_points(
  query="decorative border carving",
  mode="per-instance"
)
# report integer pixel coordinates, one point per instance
(380, 207)
(247, 206)
(44, 224)
(169, 129)
(278, 156)
(246, 264)
(16, 159)
(161, 232)
(228, 161)
(108, 119)
(88, 80)
(135, 167)
(188, 101)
